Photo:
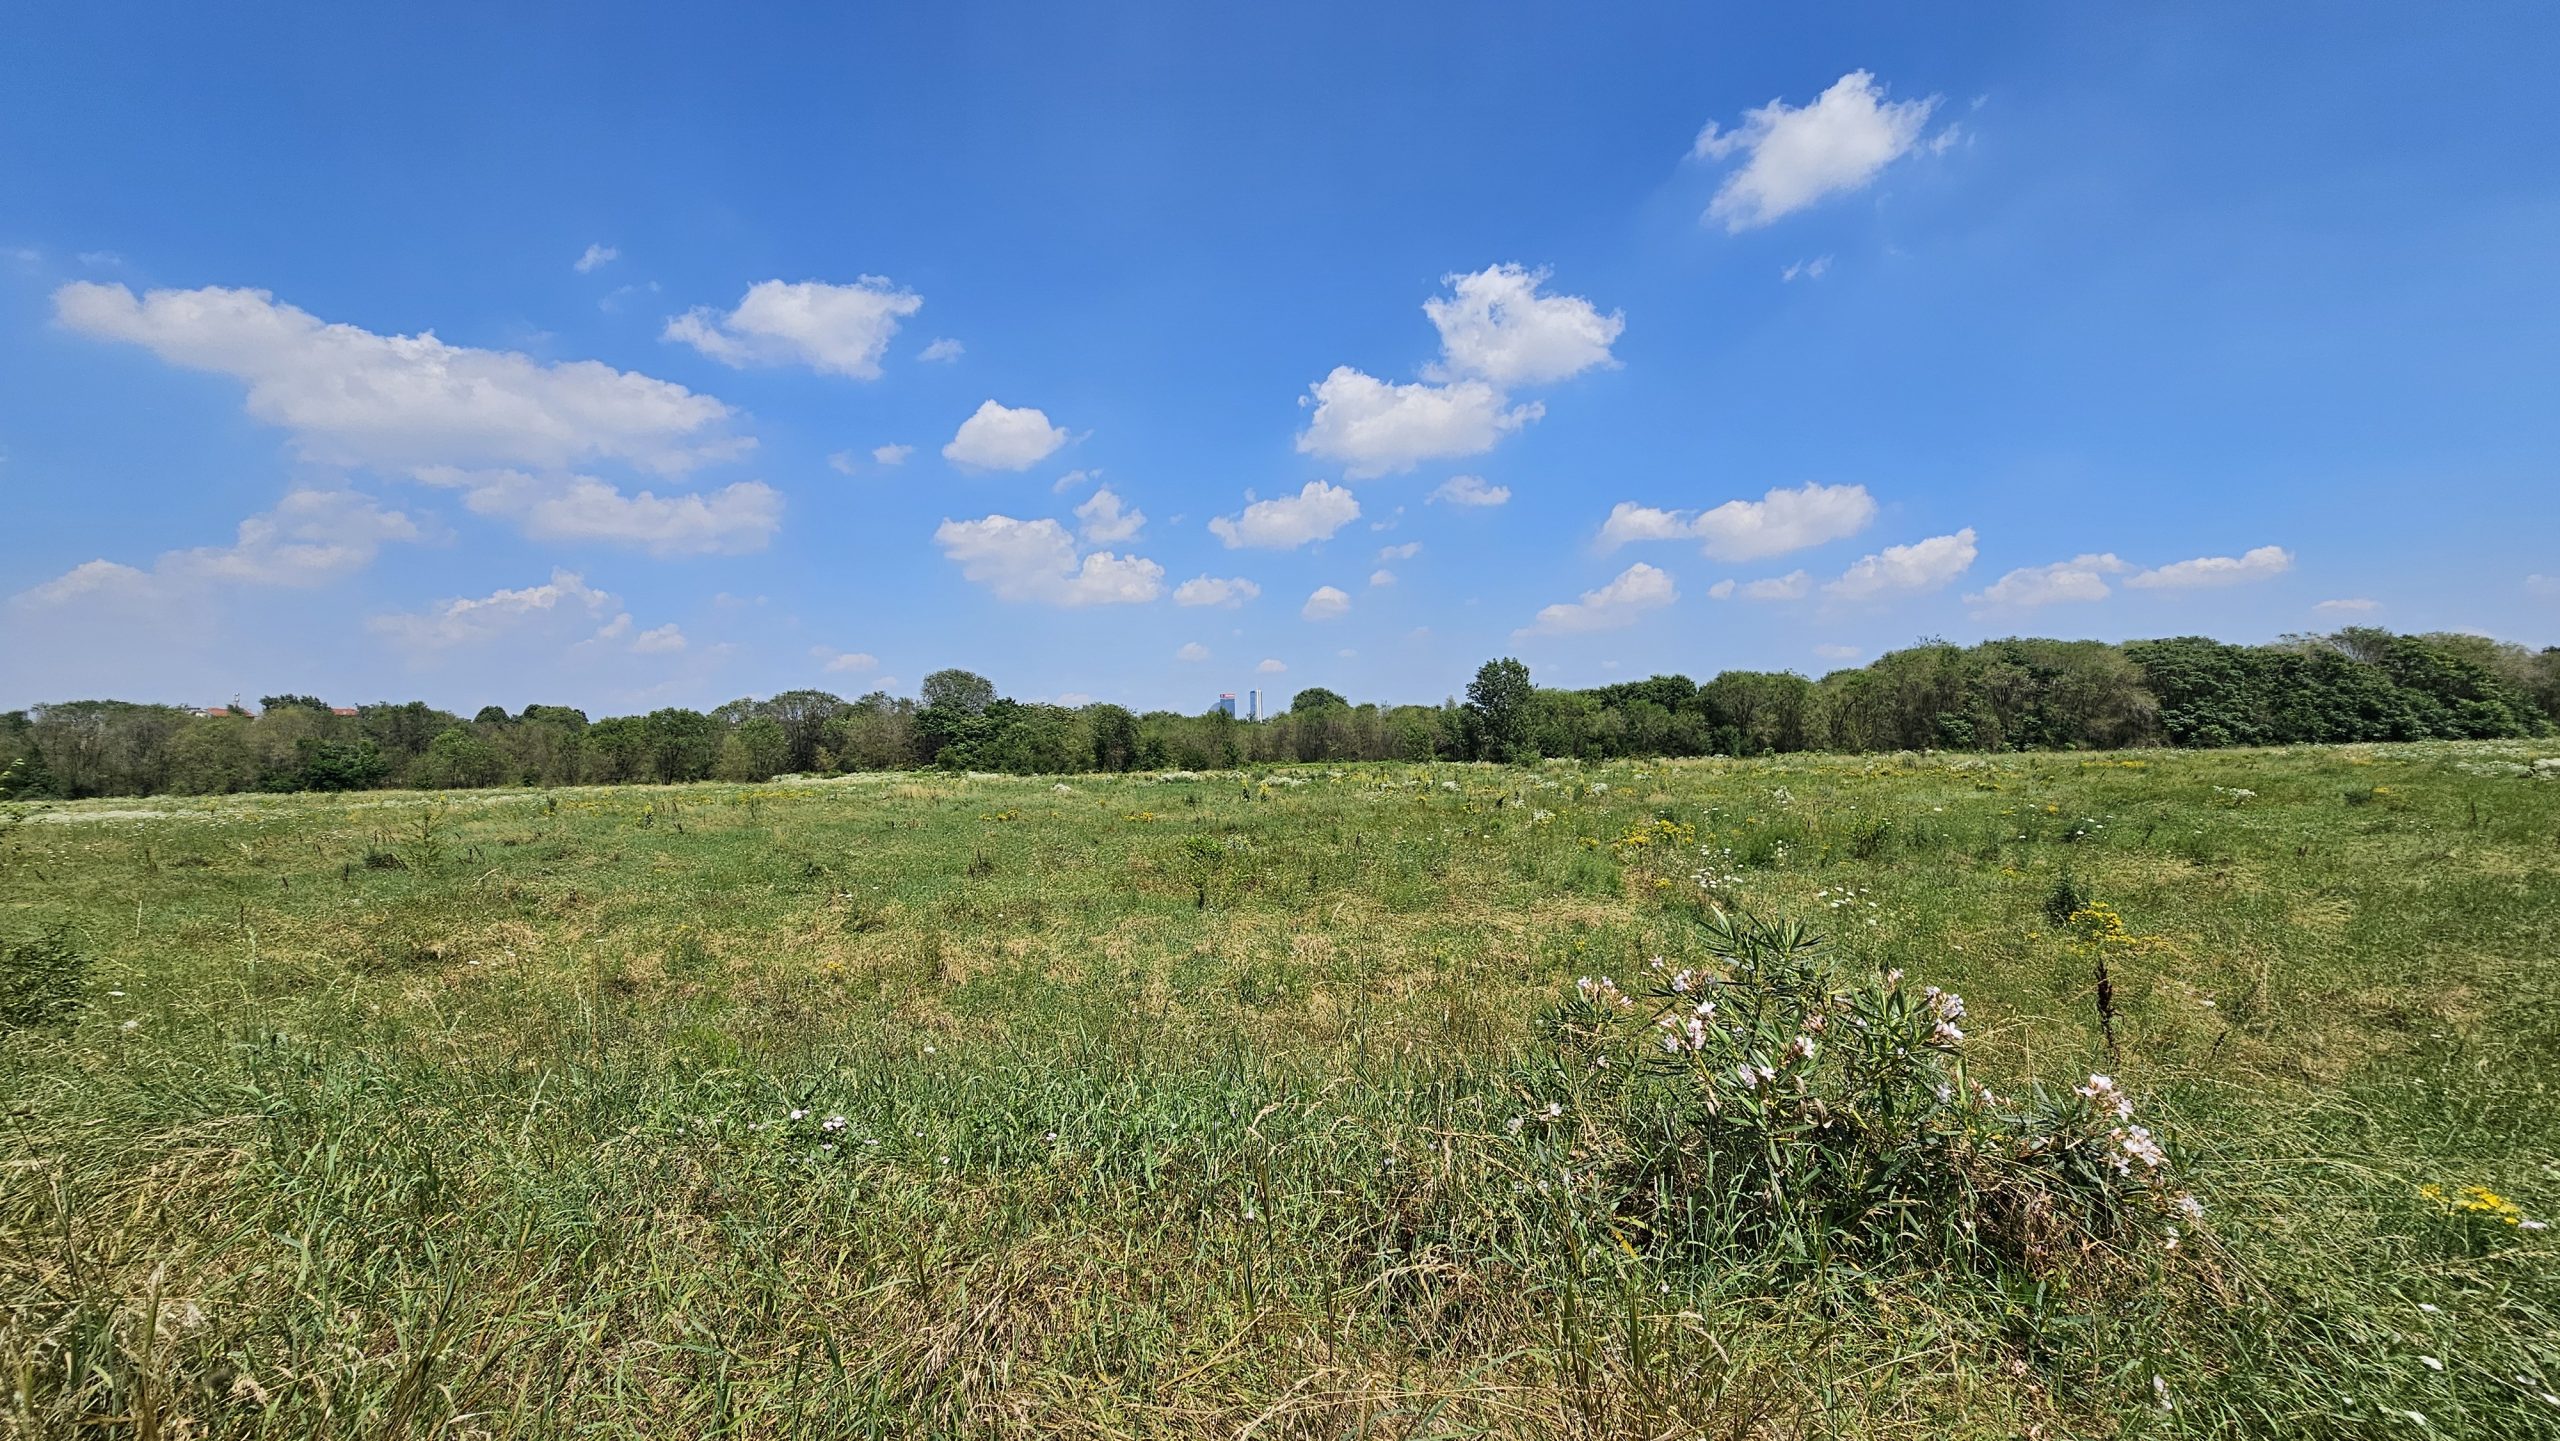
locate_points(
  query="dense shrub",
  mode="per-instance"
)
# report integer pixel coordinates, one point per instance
(1752, 1097)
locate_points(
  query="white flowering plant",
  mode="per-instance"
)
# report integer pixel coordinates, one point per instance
(1754, 1095)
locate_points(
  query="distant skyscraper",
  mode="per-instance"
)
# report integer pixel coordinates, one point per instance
(1253, 705)
(1227, 702)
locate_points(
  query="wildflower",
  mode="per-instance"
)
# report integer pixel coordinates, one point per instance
(2431, 1363)
(1513, 1125)
(798, 1114)
(1893, 978)
(2160, 1393)
(2136, 1143)
(1602, 991)
(1555, 1109)
(133, 1025)
(2192, 1208)
(2481, 1202)
(1801, 1048)
(2101, 1092)
(1946, 1033)
(834, 1124)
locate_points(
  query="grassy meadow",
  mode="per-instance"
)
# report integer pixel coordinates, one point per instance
(1211, 1105)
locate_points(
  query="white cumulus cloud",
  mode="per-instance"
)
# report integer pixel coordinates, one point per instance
(1638, 589)
(1105, 520)
(1373, 427)
(1271, 667)
(837, 329)
(2081, 578)
(1002, 437)
(311, 538)
(596, 258)
(2264, 563)
(1287, 522)
(1785, 520)
(1795, 156)
(1923, 565)
(561, 608)
(1795, 585)
(351, 397)
(892, 454)
(1495, 326)
(944, 349)
(1215, 590)
(1406, 551)
(659, 640)
(1471, 490)
(1192, 651)
(843, 662)
(1036, 560)
(1629, 521)
(2356, 606)
(732, 520)
(1327, 603)
(1498, 331)
(1382, 576)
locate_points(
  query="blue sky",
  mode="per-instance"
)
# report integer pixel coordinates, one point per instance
(565, 357)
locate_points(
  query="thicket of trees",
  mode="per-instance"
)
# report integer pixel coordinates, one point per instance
(2356, 685)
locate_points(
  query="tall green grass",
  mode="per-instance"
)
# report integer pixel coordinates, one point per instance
(1182, 1107)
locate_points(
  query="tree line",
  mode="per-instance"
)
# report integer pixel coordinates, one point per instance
(2358, 684)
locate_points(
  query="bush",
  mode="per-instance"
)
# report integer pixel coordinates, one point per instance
(1757, 1100)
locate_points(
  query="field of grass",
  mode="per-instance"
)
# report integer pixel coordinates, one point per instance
(1191, 1105)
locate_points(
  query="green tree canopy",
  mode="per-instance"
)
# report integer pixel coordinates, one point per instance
(1498, 702)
